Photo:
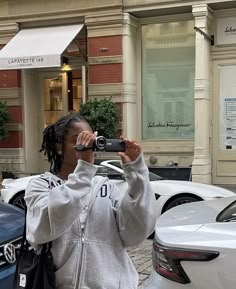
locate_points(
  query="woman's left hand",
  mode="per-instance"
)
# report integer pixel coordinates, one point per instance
(86, 139)
(132, 151)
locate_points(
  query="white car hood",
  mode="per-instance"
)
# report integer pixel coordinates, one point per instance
(204, 190)
(180, 224)
(194, 213)
(21, 182)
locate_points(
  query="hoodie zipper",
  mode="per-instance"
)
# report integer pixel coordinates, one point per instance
(80, 267)
(78, 279)
(79, 270)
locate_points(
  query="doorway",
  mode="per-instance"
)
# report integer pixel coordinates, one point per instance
(224, 122)
(60, 94)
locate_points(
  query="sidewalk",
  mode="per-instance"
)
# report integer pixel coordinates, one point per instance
(142, 260)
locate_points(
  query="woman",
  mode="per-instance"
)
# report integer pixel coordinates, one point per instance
(89, 221)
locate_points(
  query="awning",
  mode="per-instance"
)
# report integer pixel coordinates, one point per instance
(38, 47)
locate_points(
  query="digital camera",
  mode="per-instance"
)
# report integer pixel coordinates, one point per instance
(103, 144)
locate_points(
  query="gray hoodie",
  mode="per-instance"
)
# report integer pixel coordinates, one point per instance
(93, 258)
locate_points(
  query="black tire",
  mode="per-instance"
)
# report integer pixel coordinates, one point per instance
(19, 201)
(180, 201)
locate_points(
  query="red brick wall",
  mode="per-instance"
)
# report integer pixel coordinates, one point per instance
(113, 44)
(16, 114)
(106, 70)
(14, 140)
(105, 73)
(10, 78)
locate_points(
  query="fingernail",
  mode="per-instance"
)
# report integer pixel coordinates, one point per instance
(95, 133)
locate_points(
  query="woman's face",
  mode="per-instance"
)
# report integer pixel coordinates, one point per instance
(69, 153)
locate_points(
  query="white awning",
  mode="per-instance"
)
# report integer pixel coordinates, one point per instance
(37, 47)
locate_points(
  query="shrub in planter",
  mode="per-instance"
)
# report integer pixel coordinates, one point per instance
(4, 118)
(103, 116)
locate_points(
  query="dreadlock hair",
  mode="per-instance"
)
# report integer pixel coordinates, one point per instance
(55, 134)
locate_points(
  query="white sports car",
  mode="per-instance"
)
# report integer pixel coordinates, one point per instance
(195, 247)
(168, 193)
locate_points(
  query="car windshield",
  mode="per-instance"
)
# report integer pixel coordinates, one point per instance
(104, 171)
(228, 214)
(108, 172)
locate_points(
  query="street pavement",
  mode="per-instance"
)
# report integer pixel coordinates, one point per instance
(142, 260)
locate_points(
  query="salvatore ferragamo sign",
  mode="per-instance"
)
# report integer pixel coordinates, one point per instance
(226, 31)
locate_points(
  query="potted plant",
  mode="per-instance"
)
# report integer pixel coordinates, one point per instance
(4, 118)
(103, 116)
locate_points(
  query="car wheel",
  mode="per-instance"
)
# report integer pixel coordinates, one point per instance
(19, 201)
(180, 201)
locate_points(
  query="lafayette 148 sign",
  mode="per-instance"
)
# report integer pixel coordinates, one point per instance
(226, 31)
(30, 62)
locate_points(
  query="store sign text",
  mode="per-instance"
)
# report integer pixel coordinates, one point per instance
(26, 61)
(226, 31)
(230, 30)
(177, 126)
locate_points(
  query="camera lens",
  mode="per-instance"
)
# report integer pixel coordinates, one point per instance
(100, 143)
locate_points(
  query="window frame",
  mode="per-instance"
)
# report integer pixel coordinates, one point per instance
(178, 146)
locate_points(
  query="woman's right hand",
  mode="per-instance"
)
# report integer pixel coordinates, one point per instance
(86, 139)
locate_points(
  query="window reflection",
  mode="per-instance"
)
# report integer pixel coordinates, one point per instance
(168, 68)
(53, 102)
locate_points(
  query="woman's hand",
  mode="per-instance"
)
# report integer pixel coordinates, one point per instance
(132, 151)
(86, 139)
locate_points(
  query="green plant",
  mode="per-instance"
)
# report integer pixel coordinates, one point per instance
(4, 118)
(103, 116)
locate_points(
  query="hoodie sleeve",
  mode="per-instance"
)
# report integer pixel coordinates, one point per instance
(136, 212)
(50, 211)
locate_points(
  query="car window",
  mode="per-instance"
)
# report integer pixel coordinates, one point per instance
(109, 172)
(152, 176)
(228, 214)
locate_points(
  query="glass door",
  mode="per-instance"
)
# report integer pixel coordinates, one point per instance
(53, 93)
(55, 97)
(224, 122)
(60, 93)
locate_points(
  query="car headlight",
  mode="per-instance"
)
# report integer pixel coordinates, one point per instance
(4, 186)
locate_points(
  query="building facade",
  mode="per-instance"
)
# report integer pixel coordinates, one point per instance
(168, 65)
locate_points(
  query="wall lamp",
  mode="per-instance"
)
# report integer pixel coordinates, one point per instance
(65, 64)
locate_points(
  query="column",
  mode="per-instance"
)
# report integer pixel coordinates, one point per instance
(130, 125)
(201, 167)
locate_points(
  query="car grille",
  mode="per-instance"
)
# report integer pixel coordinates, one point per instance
(16, 243)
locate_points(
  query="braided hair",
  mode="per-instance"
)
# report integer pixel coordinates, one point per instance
(55, 134)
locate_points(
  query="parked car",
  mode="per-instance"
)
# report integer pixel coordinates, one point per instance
(168, 193)
(11, 229)
(195, 247)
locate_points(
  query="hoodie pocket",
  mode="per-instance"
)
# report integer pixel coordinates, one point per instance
(100, 269)
(66, 257)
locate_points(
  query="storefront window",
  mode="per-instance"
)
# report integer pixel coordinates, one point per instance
(62, 95)
(53, 99)
(168, 67)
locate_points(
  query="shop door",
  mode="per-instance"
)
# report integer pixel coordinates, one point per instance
(224, 122)
(54, 101)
